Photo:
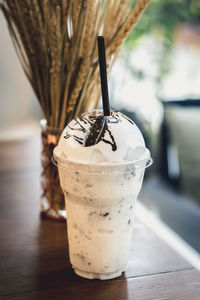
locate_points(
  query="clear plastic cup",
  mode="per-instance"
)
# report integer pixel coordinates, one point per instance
(100, 201)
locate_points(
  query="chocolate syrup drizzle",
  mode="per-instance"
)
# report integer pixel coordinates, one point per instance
(98, 129)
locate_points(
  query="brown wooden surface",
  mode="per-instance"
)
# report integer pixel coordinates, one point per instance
(34, 262)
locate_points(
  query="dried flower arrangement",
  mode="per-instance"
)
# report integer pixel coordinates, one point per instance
(56, 44)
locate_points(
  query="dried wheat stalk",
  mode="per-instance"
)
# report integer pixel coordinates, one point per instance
(56, 44)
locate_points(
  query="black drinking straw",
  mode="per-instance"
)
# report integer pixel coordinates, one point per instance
(103, 75)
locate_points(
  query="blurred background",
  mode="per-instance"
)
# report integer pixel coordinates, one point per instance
(156, 82)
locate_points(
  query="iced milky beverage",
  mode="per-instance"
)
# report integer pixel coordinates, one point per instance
(101, 163)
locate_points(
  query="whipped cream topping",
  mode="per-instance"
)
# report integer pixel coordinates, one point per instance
(94, 139)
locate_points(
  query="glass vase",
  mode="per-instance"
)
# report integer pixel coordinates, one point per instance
(52, 198)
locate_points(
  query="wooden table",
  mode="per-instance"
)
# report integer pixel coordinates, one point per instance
(34, 261)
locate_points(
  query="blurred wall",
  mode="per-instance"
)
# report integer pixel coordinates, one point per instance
(18, 104)
(183, 125)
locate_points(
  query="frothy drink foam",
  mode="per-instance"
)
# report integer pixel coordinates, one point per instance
(101, 163)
